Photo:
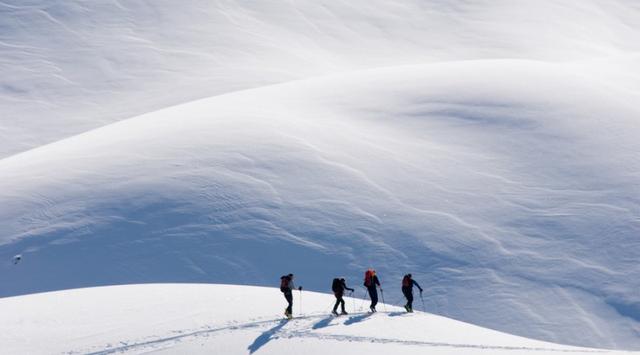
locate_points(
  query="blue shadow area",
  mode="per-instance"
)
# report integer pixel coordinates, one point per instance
(357, 319)
(323, 323)
(266, 337)
(629, 310)
(397, 314)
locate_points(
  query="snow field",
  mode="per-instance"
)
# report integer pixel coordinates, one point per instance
(198, 319)
(488, 147)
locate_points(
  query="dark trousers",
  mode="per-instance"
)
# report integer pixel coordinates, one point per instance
(289, 297)
(373, 294)
(339, 301)
(408, 293)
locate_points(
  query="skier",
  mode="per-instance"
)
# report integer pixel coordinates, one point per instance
(370, 282)
(407, 290)
(286, 286)
(338, 287)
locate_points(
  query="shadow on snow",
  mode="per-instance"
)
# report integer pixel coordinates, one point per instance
(397, 314)
(322, 323)
(357, 319)
(266, 337)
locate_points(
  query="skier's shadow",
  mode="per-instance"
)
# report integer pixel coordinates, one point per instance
(357, 319)
(323, 323)
(397, 314)
(265, 337)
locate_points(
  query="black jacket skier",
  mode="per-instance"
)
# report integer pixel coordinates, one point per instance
(338, 287)
(370, 282)
(407, 290)
(286, 286)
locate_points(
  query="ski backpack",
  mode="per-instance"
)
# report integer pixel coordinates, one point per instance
(406, 281)
(336, 286)
(368, 278)
(284, 283)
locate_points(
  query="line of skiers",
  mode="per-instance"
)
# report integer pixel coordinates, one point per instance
(339, 286)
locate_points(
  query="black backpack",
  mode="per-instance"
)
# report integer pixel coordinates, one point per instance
(284, 283)
(336, 286)
(406, 281)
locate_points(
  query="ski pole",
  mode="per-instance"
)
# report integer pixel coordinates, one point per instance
(300, 301)
(424, 309)
(354, 301)
(383, 303)
(364, 298)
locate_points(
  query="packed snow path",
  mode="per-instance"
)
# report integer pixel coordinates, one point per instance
(225, 319)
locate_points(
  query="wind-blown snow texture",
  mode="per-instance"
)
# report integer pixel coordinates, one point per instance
(490, 148)
(72, 65)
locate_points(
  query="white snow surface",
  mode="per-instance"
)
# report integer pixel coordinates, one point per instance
(491, 148)
(225, 319)
(491, 181)
(71, 65)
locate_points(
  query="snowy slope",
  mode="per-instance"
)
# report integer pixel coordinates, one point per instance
(509, 188)
(68, 66)
(488, 147)
(223, 319)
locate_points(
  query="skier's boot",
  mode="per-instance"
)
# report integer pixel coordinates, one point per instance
(409, 309)
(373, 309)
(334, 313)
(343, 313)
(406, 308)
